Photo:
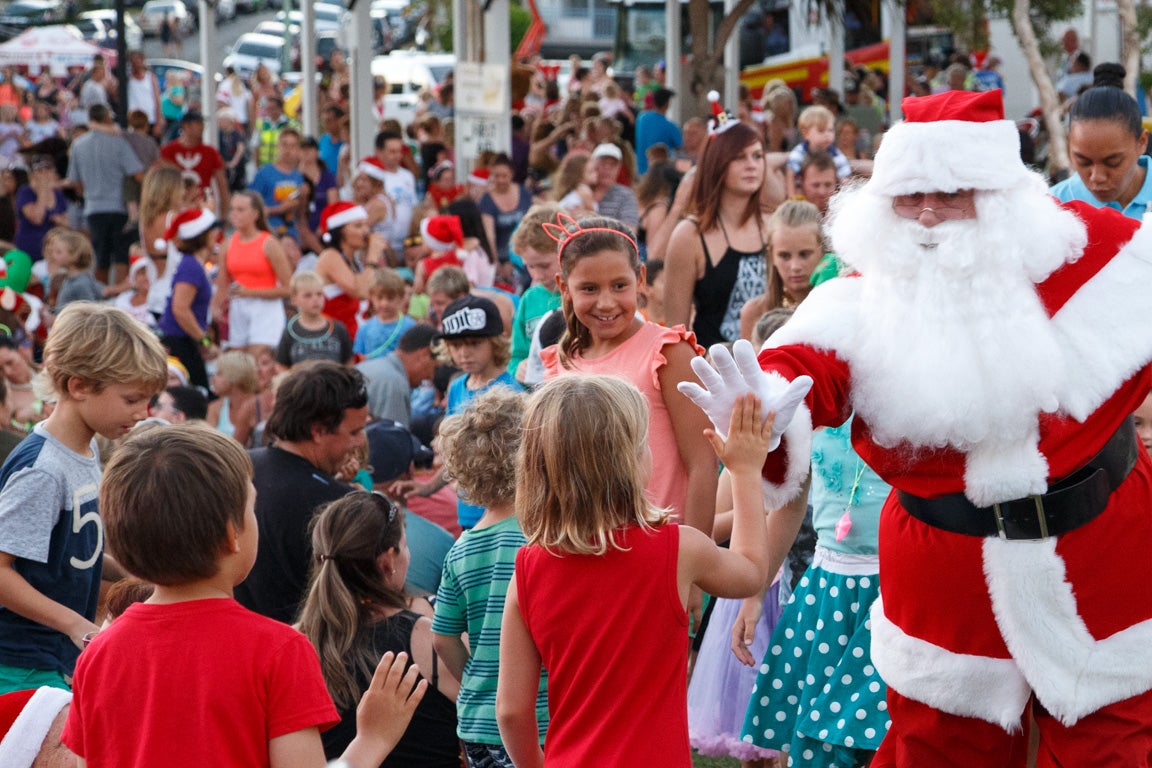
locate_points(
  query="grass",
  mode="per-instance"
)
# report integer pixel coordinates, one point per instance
(700, 761)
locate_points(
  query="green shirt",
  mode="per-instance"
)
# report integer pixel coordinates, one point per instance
(477, 572)
(536, 302)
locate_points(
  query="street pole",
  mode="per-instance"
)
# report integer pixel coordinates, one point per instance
(362, 110)
(308, 116)
(673, 74)
(121, 70)
(208, 59)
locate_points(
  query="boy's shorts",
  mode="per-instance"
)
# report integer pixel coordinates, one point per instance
(20, 679)
(487, 755)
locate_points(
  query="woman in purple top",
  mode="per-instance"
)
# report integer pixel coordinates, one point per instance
(40, 205)
(184, 324)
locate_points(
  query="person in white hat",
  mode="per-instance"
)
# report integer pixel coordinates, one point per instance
(992, 346)
(613, 200)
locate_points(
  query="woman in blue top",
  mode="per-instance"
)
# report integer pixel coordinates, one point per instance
(184, 324)
(1107, 144)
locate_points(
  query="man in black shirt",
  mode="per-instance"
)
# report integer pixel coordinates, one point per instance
(318, 421)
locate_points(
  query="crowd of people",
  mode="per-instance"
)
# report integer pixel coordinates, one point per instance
(311, 457)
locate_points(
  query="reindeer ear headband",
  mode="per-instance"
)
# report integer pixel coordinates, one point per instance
(568, 229)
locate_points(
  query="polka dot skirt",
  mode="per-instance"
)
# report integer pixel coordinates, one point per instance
(817, 692)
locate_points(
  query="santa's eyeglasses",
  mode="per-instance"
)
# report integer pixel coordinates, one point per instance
(945, 205)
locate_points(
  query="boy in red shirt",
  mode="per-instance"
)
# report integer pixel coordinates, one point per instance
(191, 678)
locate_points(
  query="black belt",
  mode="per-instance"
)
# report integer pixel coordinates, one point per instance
(1070, 502)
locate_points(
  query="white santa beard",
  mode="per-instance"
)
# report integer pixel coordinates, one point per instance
(954, 347)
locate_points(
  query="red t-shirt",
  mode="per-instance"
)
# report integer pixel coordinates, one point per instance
(613, 635)
(193, 684)
(203, 159)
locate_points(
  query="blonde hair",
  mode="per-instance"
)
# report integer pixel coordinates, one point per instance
(501, 347)
(451, 281)
(161, 184)
(530, 232)
(815, 116)
(793, 214)
(479, 447)
(78, 246)
(388, 283)
(579, 467)
(239, 369)
(305, 279)
(102, 345)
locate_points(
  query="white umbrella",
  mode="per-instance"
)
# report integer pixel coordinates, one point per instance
(56, 47)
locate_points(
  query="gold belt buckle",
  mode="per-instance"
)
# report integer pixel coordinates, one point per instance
(1041, 517)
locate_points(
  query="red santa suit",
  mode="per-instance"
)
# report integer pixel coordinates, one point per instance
(972, 626)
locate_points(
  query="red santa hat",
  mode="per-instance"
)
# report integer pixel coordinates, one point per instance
(336, 215)
(186, 225)
(373, 168)
(442, 233)
(25, 719)
(722, 119)
(478, 176)
(947, 142)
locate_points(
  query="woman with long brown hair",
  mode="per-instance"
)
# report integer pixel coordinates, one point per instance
(716, 257)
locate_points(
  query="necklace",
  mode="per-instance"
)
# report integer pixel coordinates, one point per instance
(844, 524)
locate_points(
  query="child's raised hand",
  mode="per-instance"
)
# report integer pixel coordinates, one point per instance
(749, 433)
(385, 710)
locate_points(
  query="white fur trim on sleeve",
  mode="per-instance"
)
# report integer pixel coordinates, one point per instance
(798, 444)
(1073, 673)
(21, 745)
(961, 684)
(1104, 327)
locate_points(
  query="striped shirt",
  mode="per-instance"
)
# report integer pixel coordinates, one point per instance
(477, 572)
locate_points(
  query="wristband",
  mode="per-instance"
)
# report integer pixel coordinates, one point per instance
(205, 340)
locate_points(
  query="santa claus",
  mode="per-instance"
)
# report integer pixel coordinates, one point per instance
(992, 344)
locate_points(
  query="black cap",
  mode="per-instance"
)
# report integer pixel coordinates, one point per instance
(392, 449)
(471, 317)
(192, 116)
(309, 142)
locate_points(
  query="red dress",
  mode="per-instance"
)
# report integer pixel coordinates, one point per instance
(617, 656)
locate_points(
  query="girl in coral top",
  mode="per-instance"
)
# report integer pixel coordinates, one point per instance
(600, 278)
(616, 655)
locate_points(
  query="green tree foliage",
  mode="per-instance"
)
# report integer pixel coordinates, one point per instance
(969, 19)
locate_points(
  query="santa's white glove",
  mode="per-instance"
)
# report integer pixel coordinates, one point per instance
(735, 373)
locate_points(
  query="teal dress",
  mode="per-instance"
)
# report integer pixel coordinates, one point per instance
(817, 693)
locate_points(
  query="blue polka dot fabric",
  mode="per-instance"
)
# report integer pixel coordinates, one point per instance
(817, 693)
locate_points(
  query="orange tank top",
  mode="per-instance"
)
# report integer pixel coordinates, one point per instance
(247, 264)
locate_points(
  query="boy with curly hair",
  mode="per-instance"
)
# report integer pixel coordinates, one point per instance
(479, 448)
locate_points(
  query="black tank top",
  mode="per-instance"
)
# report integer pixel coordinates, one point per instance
(723, 290)
(430, 740)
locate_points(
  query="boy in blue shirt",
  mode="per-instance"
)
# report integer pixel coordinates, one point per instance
(105, 367)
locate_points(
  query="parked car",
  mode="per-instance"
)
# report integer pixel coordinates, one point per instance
(21, 14)
(329, 18)
(251, 6)
(163, 67)
(106, 18)
(407, 74)
(154, 13)
(225, 10)
(252, 49)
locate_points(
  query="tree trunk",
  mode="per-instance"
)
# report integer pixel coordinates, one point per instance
(708, 50)
(1130, 55)
(1049, 101)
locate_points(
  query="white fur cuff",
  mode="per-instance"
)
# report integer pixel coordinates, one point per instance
(981, 687)
(21, 745)
(797, 442)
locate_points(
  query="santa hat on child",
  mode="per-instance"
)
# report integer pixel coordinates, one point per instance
(336, 215)
(442, 233)
(25, 719)
(947, 142)
(478, 176)
(373, 168)
(187, 225)
(722, 119)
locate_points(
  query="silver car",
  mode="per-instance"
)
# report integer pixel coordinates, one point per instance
(154, 12)
(106, 18)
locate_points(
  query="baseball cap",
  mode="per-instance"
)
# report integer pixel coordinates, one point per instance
(471, 317)
(392, 449)
(607, 150)
(192, 116)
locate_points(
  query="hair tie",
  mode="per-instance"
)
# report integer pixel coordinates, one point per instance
(321, 559)
(568, 229)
